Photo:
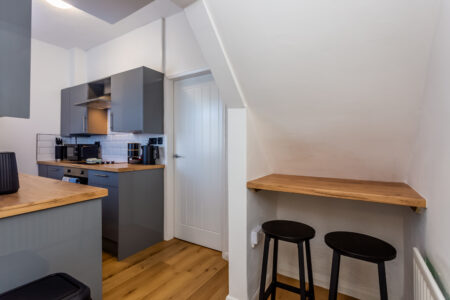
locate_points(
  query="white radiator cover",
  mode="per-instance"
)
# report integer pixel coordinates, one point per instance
(425, 286)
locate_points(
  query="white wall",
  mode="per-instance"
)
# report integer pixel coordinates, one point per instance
(333, 89)
(50, 67)
(140, 47)
(430, 169)
(336, 87)
(143, 47)
(183, 54)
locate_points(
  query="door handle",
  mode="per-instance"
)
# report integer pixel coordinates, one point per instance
(111, 120)
(177, 156)
(101, 175)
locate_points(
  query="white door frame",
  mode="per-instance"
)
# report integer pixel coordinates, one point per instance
(169, 172)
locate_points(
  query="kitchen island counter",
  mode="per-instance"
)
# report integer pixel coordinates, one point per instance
(50, 226)
(39, 193)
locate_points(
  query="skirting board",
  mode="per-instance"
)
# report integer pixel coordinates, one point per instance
(231, 298)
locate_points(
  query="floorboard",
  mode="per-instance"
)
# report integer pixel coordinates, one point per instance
(178, 270)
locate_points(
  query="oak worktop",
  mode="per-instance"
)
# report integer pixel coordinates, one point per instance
(39, 193)
(395, 193)
(117, 167)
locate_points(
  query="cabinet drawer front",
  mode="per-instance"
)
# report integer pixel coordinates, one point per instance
(55, 172)
(103, 178)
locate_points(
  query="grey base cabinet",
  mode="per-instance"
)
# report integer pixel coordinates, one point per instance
(53, 172)
(133, 213)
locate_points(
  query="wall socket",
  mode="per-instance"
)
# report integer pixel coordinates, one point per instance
(255, 236)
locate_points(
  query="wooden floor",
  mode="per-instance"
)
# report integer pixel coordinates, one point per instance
(176, 270)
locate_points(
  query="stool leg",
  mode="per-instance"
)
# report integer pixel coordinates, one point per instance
(334, 276)
(310, 273)
(382, 281)
(274, 270)
(301, 267)
(262, 288)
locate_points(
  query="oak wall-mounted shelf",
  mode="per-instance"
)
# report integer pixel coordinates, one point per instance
(395, 193)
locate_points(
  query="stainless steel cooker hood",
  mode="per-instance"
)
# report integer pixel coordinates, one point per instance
(102, 102)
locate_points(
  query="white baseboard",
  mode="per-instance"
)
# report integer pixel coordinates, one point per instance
(225, 255)
(231, 298)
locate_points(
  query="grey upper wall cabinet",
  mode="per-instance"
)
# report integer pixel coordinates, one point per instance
(73, 118)
(137, 101)
(78, 114)
(15, 58)
(65, 112)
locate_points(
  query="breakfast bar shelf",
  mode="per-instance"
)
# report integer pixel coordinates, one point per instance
(394, 193)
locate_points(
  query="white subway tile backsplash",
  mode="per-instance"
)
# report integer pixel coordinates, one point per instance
(114, 146)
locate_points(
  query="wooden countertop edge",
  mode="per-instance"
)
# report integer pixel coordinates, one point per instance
(105, 168)
(391, 199)
(56, 202)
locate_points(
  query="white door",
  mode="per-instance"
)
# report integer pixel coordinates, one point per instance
(200, 179)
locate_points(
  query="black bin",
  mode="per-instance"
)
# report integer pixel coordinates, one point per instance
(59, 286)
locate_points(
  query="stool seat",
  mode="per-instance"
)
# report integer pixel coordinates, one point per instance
(360, 246)
(288, 231)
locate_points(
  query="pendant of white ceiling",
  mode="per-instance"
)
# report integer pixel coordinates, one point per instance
(59, 4)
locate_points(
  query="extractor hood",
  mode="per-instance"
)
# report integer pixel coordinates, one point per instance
(102, 102)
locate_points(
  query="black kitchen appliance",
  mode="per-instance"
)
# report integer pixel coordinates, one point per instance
(133, 153)
(78, 175)
(60, 150)
(150, 154)
(81, 152)
(9, 177)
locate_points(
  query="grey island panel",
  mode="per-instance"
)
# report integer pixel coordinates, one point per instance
(63, 239)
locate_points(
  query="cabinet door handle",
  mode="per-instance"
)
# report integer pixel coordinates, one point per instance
(101, 175)
(54, 169)
(111, 121)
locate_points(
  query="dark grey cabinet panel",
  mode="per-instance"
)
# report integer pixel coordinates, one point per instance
(126, 101)
(141, 211)
(15, 58)
(78, 114)
(103, 178)
(53, 172)
(65, 112)
(137, 101)
(43, 170)
(133, 212)
(110, 213)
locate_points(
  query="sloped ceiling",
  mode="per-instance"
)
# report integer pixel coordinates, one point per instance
(74, 28)
(334, 87)
(110, 11)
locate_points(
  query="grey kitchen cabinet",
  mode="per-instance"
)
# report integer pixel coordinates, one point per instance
(53, 172)
(134, 210)
(137, 101)
(15, 58)
(78, 114)
(110, 217)
(65, 112)
(73, 118)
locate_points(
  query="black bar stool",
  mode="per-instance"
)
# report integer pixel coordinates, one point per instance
(292, 232)
(359, 246)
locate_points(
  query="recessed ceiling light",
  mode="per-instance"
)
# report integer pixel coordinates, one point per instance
(59, 4)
